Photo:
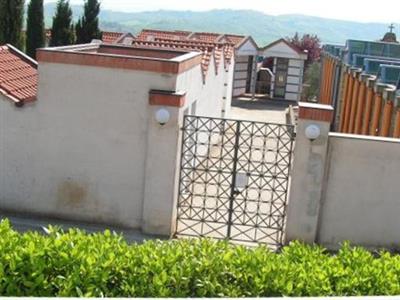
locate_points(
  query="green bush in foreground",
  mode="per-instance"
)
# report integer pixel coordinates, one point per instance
(77, 264)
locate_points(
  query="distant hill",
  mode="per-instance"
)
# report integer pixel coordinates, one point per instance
(264, 28)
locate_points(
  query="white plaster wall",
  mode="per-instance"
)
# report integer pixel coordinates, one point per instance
(294, 71)
(292, 88)
(361, 198)
(248, 48)
(229, 72)
(292, 97)
(296, 63)
(293, 80)
(79, 153)
(240, 75)
(209, 94)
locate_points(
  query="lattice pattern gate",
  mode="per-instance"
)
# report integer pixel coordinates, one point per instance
(234, 180)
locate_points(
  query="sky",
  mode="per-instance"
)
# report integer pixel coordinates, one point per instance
(385, 11)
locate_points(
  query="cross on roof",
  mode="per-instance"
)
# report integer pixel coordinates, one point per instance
(391, 27)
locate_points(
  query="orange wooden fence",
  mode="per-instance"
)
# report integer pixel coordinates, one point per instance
(364, 107)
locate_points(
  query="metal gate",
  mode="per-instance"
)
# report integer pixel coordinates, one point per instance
(234, 180)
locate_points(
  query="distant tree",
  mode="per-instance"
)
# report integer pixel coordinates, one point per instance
(308, 42)
(311, 82)
(35, 35)
(87, 27)
(11, 21)
(62, 32)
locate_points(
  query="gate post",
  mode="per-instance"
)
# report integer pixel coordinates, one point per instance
(162, 163)
(308, 172)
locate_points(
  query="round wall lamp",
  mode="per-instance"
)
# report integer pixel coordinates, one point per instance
(313, 132)
(162, 116)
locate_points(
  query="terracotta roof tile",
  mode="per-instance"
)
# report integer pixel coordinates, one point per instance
(110, 37)
(235, 39)
(209, 50)
(18, 75)
(205, 36)
(150, 34)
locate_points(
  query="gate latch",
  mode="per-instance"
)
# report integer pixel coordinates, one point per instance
(241, 181)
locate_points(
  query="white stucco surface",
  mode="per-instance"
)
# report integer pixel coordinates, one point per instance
(361, 201)
(90, 149)
(208, 95)
(79, 152)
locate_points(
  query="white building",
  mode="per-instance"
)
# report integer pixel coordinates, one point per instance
(90, 148)
(82, 141)
(283, 66)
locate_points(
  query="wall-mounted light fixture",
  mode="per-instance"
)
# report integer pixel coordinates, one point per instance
(162, 116)
(313, 132)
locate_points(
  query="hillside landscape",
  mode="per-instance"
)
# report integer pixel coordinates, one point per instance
(264, 28)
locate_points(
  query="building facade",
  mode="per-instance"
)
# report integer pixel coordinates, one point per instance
(94, 150)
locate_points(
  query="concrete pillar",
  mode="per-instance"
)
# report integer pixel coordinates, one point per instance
(162, 164)
(253, 77)
(272, 91)
(308, 173)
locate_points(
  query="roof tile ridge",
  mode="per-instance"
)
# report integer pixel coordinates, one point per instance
(23, 56)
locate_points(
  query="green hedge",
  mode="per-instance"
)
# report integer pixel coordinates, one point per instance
(77, 264)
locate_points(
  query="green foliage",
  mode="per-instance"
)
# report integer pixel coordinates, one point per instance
(11, 20)
(310, 43)
(87, 27)
(62, 32)
(311, 82)
(35, 35)
(103, 265)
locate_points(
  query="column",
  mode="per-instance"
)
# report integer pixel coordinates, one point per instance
(162, 163)
(308, 171)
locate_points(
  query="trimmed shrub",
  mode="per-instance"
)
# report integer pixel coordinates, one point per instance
(74, 263)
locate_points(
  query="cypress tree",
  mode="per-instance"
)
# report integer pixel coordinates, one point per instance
(11, 20)
(35, 28)
(62, 31)
(87, 27)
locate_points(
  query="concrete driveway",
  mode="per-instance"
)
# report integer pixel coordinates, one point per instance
(268, 111)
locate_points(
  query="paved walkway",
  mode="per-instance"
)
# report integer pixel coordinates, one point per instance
(25, 223)
(269, 111)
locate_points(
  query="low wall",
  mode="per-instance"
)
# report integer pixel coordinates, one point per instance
(343, 187)
(361, 202)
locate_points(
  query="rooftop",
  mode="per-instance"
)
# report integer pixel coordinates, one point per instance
(110, 37)
(211, 37)
(219, 51)
(18, 75)
(122, 57)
